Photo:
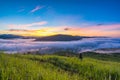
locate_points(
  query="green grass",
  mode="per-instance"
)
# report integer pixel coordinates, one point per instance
(115, 57)
(54, 67)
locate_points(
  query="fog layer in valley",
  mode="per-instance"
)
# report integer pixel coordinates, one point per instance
(86, 44)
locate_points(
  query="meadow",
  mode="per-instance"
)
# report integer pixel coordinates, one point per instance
(56, 67)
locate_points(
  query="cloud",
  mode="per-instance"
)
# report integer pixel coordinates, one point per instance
(36, 9)
(66, 29)
(86, 44)
(103, 30)
(23, 26)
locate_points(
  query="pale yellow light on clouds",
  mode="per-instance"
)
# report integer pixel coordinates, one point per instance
(102, 30)
(26, 26)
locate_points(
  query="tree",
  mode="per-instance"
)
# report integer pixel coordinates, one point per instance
(81, 56)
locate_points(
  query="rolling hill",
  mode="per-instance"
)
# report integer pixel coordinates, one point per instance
(54, 67)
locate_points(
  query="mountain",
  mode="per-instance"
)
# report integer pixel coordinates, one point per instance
(60, 37)
(9, 36)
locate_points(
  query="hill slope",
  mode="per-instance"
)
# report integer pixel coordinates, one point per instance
(52, 67)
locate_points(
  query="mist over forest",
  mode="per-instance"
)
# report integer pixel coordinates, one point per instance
(86, 44)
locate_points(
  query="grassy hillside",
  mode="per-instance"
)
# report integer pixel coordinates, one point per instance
(54, 67)
(115, 57)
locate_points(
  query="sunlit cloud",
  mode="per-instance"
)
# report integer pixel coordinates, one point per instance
(103, 30)
(25, 26)
(36, 9)
(98, 30)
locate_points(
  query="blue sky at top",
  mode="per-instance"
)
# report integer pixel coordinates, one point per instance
(55, 13)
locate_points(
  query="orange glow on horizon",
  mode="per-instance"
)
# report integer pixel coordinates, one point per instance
(105, 30)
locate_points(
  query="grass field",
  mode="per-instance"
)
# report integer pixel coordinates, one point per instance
(55, 67)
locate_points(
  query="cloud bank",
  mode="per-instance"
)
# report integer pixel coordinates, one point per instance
(87, 44)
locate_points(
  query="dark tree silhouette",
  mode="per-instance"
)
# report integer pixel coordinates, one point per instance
(81, 56)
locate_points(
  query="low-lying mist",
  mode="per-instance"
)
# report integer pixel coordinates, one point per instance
(86, 44)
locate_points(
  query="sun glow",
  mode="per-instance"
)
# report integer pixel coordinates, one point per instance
(104, 30)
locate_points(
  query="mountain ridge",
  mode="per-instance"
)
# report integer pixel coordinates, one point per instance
(58, 37)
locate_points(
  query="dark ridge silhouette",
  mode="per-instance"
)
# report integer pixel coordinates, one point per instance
(60, 37)
(9, 36)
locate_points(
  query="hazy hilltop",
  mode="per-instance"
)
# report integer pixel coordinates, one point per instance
(9, 36)
(58, 37)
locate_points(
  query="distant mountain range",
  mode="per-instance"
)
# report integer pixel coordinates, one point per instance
(9, 36)
(58, 37)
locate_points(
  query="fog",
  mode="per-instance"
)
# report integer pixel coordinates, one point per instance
(86, 44)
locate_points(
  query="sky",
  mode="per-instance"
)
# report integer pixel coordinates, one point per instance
(51, 17)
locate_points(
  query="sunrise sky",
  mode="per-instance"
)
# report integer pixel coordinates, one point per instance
(50, 17)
